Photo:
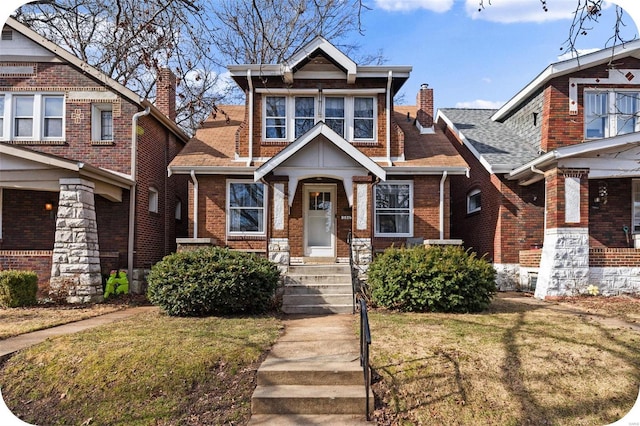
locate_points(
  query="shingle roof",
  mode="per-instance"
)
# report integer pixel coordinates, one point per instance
(214, 143)
(497, 144)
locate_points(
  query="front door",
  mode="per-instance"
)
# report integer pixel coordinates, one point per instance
(319, 220)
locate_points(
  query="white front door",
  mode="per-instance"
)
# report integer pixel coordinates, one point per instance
(319, 220)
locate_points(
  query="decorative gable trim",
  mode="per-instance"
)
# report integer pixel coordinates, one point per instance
(319, 43)
(616, 77)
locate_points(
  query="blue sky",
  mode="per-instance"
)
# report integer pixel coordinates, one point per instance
(470, 58)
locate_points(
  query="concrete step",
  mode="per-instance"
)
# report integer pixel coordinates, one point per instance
(322, 309)
(337, 288)
(297, 399)
(307, 420)
(317, 279)
(333, 268)
(305, 372)
(317, 299)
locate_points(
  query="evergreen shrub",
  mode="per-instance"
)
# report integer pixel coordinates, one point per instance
(211, 281)
(18, 288)
(431, 279)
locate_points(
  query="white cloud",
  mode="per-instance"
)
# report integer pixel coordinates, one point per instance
(408, 5)
(480, 104)
(487, 80)
(512, 11)
(572, 55)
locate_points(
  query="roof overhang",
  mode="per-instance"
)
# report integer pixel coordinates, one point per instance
(566, 67)
(320, 129)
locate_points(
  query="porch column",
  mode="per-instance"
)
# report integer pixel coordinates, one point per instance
(361, 224)
(564, 265)
(278, 249)
(75, 270)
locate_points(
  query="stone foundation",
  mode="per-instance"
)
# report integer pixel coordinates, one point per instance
(279, 253)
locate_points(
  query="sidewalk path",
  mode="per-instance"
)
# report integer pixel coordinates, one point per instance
(13, 344)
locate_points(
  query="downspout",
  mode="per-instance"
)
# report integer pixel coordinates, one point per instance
(444, 178)
(132, 194)
(195, 203)
(250, 83)
(388, 135)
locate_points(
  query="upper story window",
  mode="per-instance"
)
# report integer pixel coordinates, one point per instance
(474, 201)
(636, 206)
(610, 113)
(394, 209)
(102, 122)
(289, 117)
(246, 212)
(36, 117)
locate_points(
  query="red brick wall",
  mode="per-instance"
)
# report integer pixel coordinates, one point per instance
(25, 223)
(606, 222)
(530, 258)
(614, 257)
(556, 206)
(38, 261)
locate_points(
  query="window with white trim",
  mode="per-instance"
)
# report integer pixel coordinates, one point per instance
(178, 210)
(474, 201)
(153, 200)
(102, 122)
(289, 117)
(636, 206)
(608, 113)
(394, 209)
(246, 210)
(29, 116)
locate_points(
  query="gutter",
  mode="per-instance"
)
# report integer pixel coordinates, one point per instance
(250, 83)
(444, 178)
(132, 194)
(388, 131)
(195, 203)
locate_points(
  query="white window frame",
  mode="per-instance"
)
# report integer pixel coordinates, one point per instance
(3, 114)
(297, 117)
(635, 203)
(228, 208)
(319, 111)
(54, 117)
(96, 122)
(153, 199)
(470, 196)
(611, 114)
(8, 115)
(409, 210)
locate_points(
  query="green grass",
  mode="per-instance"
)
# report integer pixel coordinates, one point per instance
(515, 365)
(151, 369)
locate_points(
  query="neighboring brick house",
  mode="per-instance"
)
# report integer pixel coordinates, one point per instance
(553, 198)
(319, 151)
(83, 169)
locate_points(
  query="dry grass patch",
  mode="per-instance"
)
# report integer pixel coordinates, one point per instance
(15, 321)
(516, 364)
(147, 370)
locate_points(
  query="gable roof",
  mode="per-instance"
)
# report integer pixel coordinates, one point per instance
(320, 129)
(498, 148)
(98, 75)
(565, 67)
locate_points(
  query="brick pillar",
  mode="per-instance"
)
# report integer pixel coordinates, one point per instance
(361, 243)
(75, 269)
(278, 248)
(564, 265)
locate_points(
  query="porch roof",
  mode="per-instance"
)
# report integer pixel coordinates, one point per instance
(22, 168)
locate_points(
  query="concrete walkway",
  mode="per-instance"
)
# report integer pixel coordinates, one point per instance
(13, 344)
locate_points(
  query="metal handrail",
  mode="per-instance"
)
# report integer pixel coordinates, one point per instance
(365, 342)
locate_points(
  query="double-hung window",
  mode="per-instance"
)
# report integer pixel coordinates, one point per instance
(32, 117)
(363, 118)
(334, 114)
(102, 122)
(608, 113)
(304, 114)
(276, 117)
(246, 212)
(394, 209)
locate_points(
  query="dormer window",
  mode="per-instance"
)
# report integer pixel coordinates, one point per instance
(287, 117)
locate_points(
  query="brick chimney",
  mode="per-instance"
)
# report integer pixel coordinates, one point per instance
(166, 93)
(424, 102)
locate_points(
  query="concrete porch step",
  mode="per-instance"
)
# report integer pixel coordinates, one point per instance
(300, 399)
(331, 288)
(323, 269)
(310, 373)
(322, 309)
(317, 299)
(317, 279)
(307, 420)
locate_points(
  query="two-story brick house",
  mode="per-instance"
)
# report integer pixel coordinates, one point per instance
(553, 197)
(317, 153)
(83, 168)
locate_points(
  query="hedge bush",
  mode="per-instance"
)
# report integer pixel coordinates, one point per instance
(431, 279)
(212, 280)
(18, 288)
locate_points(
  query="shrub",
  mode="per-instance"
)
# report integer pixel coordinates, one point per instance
(212, 280)
(18, 288)
(432, 279)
